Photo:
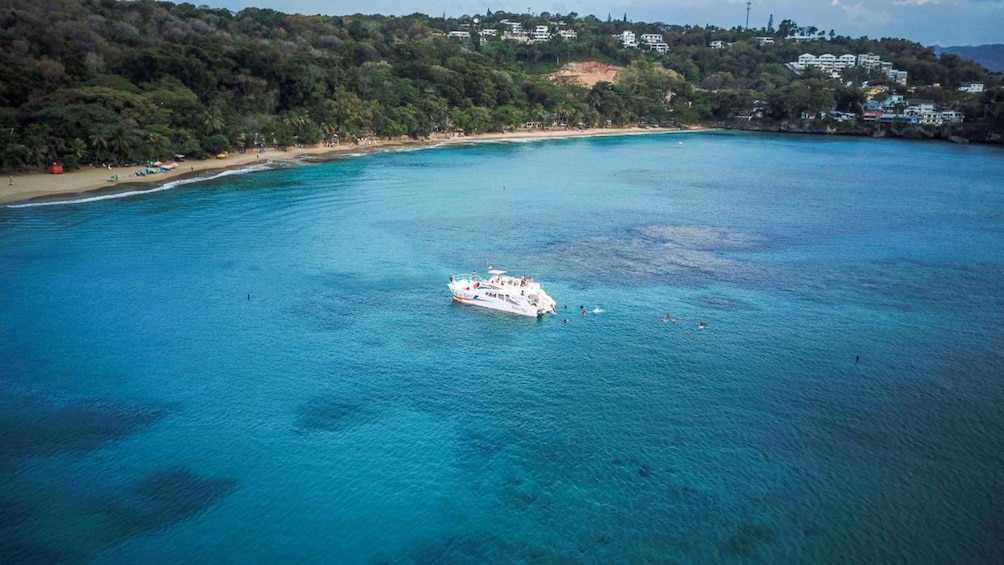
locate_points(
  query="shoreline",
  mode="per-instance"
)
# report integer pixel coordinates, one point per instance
(40, 188)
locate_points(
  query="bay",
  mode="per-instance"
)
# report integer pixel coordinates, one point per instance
(268, 367)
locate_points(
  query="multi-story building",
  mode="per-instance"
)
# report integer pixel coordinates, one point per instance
(513, 26)
(518, 36)
(806, 60)
(568, 34)
(846, 61)
(894, 100)
(628, 39)
(972, 88)
(651, 38)
(952, 116)
(899, 77)
(826, 62)
(917, 107)
(869, 61)
(540, 33)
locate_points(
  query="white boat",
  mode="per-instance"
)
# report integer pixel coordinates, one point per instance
(518, 295)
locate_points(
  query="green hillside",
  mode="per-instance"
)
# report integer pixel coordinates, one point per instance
(108, 81)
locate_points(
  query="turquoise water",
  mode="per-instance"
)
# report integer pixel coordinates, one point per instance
(268, 368)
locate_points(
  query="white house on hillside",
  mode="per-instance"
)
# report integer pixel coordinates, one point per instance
(869, 61)
(951, 116)
(899, 77)
(827, 62)
(540, 33)
(972, 88)
(917, 107)
(651, 38)
(517, 36)
(628, 39)
(513, 26)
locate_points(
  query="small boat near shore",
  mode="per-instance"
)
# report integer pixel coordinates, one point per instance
(502, 292)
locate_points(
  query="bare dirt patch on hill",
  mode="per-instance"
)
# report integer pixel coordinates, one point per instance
(586, 73)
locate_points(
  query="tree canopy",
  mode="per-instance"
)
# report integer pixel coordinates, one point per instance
(101, 80)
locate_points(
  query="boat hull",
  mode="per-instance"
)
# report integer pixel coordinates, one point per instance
(497, 305)
(503, 294)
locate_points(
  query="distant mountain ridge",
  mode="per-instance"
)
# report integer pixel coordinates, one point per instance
(990, 56)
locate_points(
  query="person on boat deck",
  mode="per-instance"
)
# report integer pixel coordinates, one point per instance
(451, 277)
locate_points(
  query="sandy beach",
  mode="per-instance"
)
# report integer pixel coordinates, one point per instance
(90, 181)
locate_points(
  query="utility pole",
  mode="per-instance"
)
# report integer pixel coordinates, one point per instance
(748, 14)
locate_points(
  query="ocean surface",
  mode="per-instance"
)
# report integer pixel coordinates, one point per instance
(268, 367)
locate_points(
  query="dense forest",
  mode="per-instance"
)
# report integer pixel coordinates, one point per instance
(108, 81)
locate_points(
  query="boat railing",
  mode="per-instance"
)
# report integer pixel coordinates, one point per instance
(502, 281)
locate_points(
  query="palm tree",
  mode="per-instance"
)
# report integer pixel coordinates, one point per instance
(76, 151)
(122, 142)
(212, 121)
(297, 121)
(99, 141)
(35, 151)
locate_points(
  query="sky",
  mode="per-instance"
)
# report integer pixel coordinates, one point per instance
(930, 22)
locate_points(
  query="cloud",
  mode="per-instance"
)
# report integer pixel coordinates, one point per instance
(861, 14)
(914, 2)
